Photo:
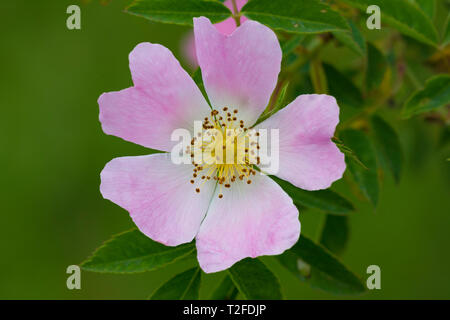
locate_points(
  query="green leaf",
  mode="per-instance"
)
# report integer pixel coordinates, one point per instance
(335, 233)
(342, 88)
(179, 12)
(280, 99)
(367, 179)
(376, 67)
(427, 6)
(274, 107)
(288, 46)
(446, 33)
(389, 145)
(318, 76)
(184, 286)
(315, 265)
(325, 200)
(352, 39)
(225, 291)
(132, 251)
(434, 95)
(347, 151)
(301, 16)
(404, 16)
(254, 280)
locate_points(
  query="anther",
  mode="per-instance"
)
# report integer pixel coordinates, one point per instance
(197, 190)
(220, 196)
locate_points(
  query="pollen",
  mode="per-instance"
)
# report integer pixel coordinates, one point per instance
(227, 151)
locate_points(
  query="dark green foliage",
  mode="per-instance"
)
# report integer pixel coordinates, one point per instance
(184, 286)
(179, 12)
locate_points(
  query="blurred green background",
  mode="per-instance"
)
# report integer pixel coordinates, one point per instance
(53, 149)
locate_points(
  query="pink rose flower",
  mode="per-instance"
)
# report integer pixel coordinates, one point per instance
(225, 27)
(238, 219)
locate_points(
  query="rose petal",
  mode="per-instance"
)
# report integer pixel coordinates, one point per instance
(239, 71)
(227, 26)
(164, 98)
(249, 221)
(158, 196)
(307, 156)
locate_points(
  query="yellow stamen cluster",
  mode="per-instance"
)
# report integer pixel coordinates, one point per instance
(225, 151)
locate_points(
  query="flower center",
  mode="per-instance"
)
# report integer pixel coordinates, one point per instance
(225, 150)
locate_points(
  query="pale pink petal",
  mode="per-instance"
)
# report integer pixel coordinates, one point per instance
(227, 26)
(164, 98)
(249, 221)
(239, 71)
(307, 156)
(158, 195)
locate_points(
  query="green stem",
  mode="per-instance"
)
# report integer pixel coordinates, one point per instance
(236, 14)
